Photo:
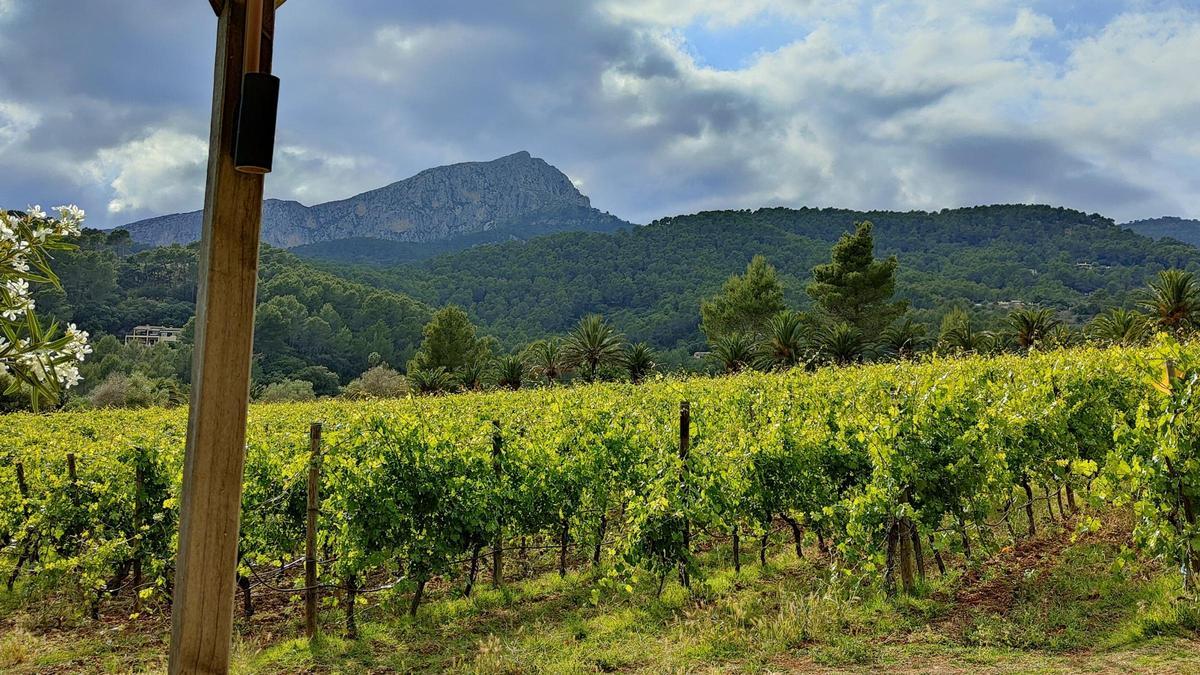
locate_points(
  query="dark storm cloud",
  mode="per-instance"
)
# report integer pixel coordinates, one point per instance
(106, 102)
(1028, 169)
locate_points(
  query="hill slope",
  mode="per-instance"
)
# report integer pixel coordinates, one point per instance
(436, 205)
(1179, 229)
(305, 317)
(650, 279)
(373, 251)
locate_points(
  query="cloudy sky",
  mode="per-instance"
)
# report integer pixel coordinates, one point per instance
(653, 107)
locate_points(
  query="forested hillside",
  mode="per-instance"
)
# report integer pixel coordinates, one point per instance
(310, 324)
(376, 251)
(1179, 229)
(325, 322)
(649, 280)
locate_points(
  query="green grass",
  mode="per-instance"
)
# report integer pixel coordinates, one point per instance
(1073, 614)
(1072, 611)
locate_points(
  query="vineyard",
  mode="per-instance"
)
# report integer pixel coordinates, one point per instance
(886, 471)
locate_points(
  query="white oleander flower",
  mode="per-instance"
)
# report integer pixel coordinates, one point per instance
(68, 376)
(70, 213)
(19, 288)
(23, 238)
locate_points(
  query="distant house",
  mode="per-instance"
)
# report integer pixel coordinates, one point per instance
(152, 335)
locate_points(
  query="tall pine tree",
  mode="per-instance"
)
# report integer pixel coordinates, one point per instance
(855, 288)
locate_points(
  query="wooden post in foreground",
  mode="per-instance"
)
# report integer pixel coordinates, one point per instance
(310, 530)
(685, 446)
(202, 607)
(139, 487)
(498, 546)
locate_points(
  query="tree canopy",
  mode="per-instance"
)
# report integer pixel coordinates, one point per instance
(449, 342)
(854, 287)
(745, 304)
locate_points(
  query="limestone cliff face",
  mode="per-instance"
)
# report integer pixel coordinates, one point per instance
(437, 204)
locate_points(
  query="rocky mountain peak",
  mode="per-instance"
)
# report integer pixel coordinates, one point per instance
(436, 204)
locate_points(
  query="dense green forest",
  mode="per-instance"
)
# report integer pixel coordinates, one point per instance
(310, 325)
(649, 280)
(1179, 229)
(321, 323)
(367, 250)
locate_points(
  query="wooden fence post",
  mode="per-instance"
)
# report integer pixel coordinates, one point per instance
(139, 486)
(685, 445)
(73, 480)
(211, 497)
(22, 486)
(498, 546)
(26, 552)
(310, 530)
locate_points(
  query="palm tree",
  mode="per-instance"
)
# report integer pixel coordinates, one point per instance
(960, 335)
(472, 373)
(1120, 327)
(1063, 335)
(842, 344)
(904, 338)
(1173, 300)
(734, 351)
(509, 372)
(547, 359)
(1031, 326)
(593, 344)
(432, 381)
(784, 342)
(639, 361)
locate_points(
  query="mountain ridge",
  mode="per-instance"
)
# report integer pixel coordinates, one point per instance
(1173, 227)
(437, 204)
(649, 280)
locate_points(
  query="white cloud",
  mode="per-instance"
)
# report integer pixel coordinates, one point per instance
(16, 121)
(717, 13)
(910, 110)
(1030, 25)
(161, 172)
(884, 104)
(311, 176)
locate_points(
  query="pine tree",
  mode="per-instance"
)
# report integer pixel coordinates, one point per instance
(855, 288)
(745, 304)
(450, 343)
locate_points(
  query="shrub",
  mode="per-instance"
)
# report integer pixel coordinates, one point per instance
(287, 390)
(119, 390)
(378, 382)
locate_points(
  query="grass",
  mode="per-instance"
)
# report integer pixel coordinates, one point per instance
(1048, 606)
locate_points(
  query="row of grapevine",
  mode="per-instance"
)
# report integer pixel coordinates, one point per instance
(877, 462)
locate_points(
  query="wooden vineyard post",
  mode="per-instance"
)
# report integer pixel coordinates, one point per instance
(73, 477)
(22, 486)
(498, 546)
(139, 486)
(737, 551)
(310, 530)
(26, 553)
(206, 564)
(685, 445)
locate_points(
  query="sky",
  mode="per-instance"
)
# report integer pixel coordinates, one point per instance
(652, 107)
